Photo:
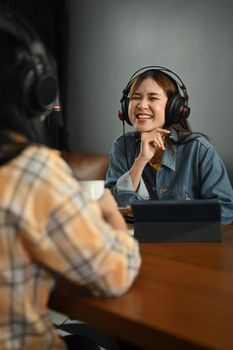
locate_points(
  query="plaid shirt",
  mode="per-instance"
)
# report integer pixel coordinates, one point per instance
(48, 226)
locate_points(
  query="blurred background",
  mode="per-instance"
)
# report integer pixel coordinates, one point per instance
(99, 44)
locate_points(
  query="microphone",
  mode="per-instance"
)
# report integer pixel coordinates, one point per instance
(55, 117)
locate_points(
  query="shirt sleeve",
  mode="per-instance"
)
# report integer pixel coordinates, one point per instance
(67, 233)
(118, 177)
(215, 181)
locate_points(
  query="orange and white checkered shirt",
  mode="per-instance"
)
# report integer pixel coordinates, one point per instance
(48, 227)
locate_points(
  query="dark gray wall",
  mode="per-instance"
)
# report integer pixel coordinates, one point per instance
(110, 39)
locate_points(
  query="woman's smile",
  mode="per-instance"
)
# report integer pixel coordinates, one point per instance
(143, 116)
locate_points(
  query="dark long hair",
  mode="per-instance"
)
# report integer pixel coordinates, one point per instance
(14, 118)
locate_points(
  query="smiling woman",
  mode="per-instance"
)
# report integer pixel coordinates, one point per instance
(163, 158)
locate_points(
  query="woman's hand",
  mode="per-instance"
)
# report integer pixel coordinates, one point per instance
(110, 211)
(151, 141)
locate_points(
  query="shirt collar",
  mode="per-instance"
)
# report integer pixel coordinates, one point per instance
(169, 158)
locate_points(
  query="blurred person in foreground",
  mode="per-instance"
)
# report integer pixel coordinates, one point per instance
(48, 225)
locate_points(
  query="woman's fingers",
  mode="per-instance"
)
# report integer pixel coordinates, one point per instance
(163, 132)
(151, 141)
(158, 141)
(156, 137)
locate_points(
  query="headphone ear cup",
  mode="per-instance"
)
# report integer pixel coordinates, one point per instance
(39, 91)
(33, 75)
(124, 110)
(176, 109)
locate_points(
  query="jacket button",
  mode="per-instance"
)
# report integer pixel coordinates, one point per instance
(163, 190)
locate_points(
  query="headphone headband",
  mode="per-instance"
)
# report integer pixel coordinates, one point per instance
(161, 69)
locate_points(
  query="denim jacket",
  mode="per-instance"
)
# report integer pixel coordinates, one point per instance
(194, 171)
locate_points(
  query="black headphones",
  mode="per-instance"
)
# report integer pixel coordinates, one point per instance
(32, 78)
(177, 105)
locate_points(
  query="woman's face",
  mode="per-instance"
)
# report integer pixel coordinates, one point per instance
(147, 106)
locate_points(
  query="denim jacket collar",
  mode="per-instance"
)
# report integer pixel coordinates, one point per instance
(169, 159)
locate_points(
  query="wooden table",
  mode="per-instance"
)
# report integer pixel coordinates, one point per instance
(182, 299)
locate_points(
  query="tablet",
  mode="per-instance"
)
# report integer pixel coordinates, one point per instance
(177, 220)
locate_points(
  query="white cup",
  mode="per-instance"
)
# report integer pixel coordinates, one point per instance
(94, 188)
